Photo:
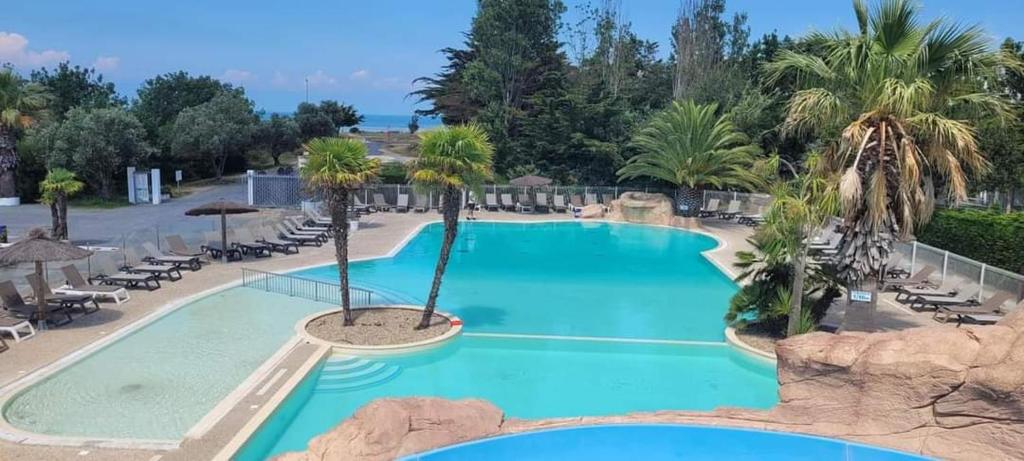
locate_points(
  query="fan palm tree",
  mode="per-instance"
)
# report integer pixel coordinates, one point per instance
(336, 167)
(451, 158)
(21, 103)
(59, 185)
(883, 99)
(690, 147)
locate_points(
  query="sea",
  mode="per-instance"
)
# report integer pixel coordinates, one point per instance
(387, 122)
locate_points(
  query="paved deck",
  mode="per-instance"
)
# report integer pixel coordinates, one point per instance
(379, 234)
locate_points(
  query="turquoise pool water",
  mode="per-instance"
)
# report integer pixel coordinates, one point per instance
(622, 283)
(664, 442)
(566, 278)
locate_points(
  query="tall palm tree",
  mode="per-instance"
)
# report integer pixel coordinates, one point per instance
(336, 167)
(690, 147)
(883, 99)
(451, 158)
(21, 103)
(59, 185)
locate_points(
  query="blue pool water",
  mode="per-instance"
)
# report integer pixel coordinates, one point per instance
(561, 319)
(566, 278)
(660, 443)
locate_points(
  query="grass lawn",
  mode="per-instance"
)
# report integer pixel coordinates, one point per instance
(97, 202)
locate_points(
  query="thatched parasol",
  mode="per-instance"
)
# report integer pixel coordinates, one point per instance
(530, 181)
(38, 248)
(222, 208)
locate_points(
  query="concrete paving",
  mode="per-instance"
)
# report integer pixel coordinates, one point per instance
(379, 233)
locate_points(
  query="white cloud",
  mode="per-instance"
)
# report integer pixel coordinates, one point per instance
(14, 49)
(279, 79)
(321, 79)
(106, 63)
(237, 76)
(361, 74)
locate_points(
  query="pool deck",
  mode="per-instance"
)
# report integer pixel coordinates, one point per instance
(379, 234)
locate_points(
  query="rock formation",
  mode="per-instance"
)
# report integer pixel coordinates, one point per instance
(952, 393)
(592, 212)
(643, 208)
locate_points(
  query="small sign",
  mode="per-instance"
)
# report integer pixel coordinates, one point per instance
(860, 296)
(177, 175)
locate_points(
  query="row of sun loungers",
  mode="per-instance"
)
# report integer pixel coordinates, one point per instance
(950, 299)
(732, 211)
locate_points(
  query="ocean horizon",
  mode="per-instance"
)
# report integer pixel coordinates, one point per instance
(387, 122)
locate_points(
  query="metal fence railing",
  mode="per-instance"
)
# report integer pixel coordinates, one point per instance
(973, 275)
(315, 290)
(749, 203)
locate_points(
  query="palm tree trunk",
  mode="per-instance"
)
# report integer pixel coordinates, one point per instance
(796, 298)
(8, 162)
(62, 215)
(54, 220)
(338, 204)
(689, 200)
(450, 209)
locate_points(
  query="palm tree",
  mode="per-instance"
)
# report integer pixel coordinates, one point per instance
(337, 166)
(451, 158)
(690, 147)
(59, 185)
(883, 98)
(21, 103)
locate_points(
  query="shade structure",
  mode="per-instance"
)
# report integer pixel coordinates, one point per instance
(530, 181)
(38, 248)
(222, 208)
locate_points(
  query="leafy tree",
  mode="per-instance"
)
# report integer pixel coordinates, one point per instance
(341, 115)
(162, 98)
(74, 86)
(451, 158)
(335, 168)
(99, 144)
(881, 100)
(59, 185)
(448, 91)
(414, 124)
(21, 105)
(690, 147)
(706, 51)
(278, 134)
(314, 122)
(394, 173)
(1002, 141)
(215, 130)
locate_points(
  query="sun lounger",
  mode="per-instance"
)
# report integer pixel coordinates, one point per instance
(158, 257)
(320, 234)
(71, 301)
(19, 329)
(990, 311)
(249, 246)
(558, 203)
(179, 248)
(315, 219)
(359, 206)
(380, 203)
(270, 238)
(118, 277)
(507, 203)
(491, 202)
(172, 272)
(16, 305)
(753, 218)
(576, 201)
(541, 202)
(403, 203)
(917, 280)
(76, 284)
(214, 248)
(591, 199)
(422, 204)
(949, 288)
(301, 239)
(922, 302)
(710, 210)
(732, 211)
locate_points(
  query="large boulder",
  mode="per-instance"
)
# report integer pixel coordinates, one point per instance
(951, 393)
(642, 208)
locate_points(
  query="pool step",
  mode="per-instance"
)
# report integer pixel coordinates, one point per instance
(345, 373)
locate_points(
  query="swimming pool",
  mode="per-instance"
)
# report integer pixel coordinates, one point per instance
(666, 442)
(623, 317)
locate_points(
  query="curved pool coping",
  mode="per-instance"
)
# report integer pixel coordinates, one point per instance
(731, 430)
(384, 349)
(9, 432)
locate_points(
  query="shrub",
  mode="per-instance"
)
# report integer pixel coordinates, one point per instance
(986, 236)
(394, 173)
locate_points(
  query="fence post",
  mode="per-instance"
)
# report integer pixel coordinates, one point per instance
(981, 283)
(913, 257)
(945, 264)
(250, 176)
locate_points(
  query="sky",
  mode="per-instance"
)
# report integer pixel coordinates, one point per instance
(365, 53)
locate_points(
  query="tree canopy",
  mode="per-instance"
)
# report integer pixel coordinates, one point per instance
(209, 133)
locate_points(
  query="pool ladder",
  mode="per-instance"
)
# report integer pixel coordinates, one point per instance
(342, 373)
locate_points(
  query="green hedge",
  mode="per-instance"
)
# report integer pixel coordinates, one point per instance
(986, 236)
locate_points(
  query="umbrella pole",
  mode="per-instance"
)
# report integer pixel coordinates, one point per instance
(40, 299)
(224, 235)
